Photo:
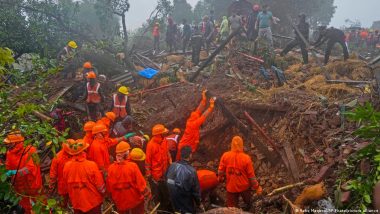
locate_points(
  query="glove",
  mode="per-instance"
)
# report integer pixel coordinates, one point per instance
(204, 96)
(131, 134)
(212, 102)
(259, 191)
(10, 172)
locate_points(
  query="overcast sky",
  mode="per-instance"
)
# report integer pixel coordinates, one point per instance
(366, 11)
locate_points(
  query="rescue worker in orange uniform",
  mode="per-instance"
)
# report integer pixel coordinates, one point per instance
(56, 171)
(120, 103)
(125, 183)
(237, 168)
(173, 141)
(84, 181)
(191, 135)
(99, 150)
(87, 67)
(94, 96)
(156, 163)
(25, 174)
(208, 182)
(88, 137)
(108, 120)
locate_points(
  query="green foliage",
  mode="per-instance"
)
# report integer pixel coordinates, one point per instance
(360, 183)
(6, 59)
(17, 104)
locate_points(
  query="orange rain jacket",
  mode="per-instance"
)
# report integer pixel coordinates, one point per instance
(56, 172)
(98, 152)
(28, 180)
(126, 185)
(238, 168)
(88, 138)
(157, 158)
(207, 180)
(84, 183)
(191, 135)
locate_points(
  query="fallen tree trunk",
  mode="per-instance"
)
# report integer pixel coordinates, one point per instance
(213, 55)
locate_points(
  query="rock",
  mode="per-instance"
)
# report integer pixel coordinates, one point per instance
(345, 198)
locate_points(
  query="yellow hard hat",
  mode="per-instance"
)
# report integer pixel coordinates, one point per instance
(137, 154)
(72, 44)
(123, 90)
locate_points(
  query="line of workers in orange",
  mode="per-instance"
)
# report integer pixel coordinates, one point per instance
(83, 175)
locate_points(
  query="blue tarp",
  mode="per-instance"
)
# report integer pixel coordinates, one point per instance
(148, 73)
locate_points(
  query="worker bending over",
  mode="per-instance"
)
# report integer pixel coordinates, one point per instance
(331, 36)
(156, 163)
(173, 141)
(25, 174)
(303, 27)
(237, 168)
(84, 182)
(125, 183)
(183, 184)
(192, 132)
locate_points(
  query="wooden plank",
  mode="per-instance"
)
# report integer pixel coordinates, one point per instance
(58, 95)
(349, 81)
(121, 76)
(374, 61)
(37, 113)
(292, 161)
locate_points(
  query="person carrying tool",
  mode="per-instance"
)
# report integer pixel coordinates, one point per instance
(94, 96)
(173, 141)
(193, 124)
(156, 163)
(183, 184)
(99, 150)
(125, 183)
(303, 27)
(56, 182)
(84, 182)
(24, 172)
(196, 44)
(331, 36)
(120, 103)
(87, 128)
(156, 37)
(237, 168)
(252, 33)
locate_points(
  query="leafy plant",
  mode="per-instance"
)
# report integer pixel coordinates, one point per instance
(359, 183)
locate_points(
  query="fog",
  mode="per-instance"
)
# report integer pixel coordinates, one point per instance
(365, 11)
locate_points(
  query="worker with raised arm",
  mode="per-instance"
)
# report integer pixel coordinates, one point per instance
(24, 172)
(94, 96)
(56, 182)
(183, 184)
(84, 182)
(192, 131)
(331, 36)
(120, 103)
(125, 183)
(156, 163)
(236, 168)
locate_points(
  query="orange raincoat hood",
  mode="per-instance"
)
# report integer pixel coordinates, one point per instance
(237, 144)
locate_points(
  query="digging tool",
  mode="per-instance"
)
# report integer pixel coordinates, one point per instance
(251, 57)
(155, 208)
